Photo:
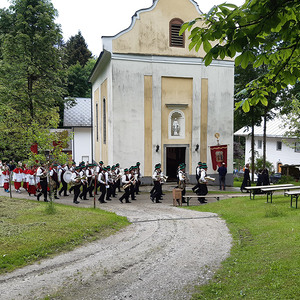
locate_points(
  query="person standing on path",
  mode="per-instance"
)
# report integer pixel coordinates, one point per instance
(246, 181)
(222, 176)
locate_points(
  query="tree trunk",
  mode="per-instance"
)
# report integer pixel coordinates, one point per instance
(265, 138)
(252, 146)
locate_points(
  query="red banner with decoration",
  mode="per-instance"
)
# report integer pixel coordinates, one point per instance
(218, 155)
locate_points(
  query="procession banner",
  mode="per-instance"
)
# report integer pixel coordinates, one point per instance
(218, 155)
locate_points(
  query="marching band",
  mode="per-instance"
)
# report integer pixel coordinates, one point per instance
(86, 180)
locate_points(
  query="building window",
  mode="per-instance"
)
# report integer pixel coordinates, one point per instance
(278, 146)
(297, 147)
(104, 121)
(259, 144)
(176, 40)
(97, 122)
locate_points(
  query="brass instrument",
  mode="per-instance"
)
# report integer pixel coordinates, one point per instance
(78, 180)
(210, 178)
(163, 178)
(131, 181)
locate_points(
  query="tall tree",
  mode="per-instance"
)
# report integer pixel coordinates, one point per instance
(32, 75)
(236, 32)
(77, 50)
(78, 85)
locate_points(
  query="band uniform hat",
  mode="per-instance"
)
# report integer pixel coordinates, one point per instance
(101, 162)
(77, 167)
(108, 167)
(113, 167)
(182, 167)
(199, 163)
(204, 166)
(138, 163)
(126, 170)
(117, 164)
(157, 166)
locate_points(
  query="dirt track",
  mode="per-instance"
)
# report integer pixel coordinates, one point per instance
(161, 255)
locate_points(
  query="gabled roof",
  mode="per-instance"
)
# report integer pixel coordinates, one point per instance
(275, 128)
(79, 115)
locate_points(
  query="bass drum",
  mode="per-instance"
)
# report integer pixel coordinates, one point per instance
(67, 176)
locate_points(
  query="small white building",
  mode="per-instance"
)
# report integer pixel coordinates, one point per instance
(78, 119)
(277, 151)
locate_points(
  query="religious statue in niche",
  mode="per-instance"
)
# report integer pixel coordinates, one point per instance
(176, 124)
(175, 127)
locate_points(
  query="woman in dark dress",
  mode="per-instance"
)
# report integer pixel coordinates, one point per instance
(246, 181)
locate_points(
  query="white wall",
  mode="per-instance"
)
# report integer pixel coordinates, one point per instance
(81, 144)
(286, 155)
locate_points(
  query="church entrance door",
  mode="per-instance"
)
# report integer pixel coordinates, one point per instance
(174, 156)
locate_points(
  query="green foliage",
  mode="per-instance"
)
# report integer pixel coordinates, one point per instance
(263, 260)
(259, 164)
(237, 32)
(286, 179)
(78, 85)
(77, 51)
(32, 74)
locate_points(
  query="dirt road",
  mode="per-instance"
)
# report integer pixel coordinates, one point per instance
(161, 255)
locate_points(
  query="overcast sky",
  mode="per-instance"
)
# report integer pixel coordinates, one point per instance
(97, 18)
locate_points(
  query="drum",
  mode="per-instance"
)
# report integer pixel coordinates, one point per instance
(67, 176)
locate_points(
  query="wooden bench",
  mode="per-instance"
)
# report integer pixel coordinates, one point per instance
(253, 189)
(293, 194)
(189, 197)
(270, 190)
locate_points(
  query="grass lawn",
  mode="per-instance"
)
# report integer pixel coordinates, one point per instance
(28, 233)
(265, 260)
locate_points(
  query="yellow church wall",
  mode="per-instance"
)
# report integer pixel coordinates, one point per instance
(204, 119)
(97, 125)
(176, 92)
(150, 33)
(104, 147)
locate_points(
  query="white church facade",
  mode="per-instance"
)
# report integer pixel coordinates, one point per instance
(154, 101)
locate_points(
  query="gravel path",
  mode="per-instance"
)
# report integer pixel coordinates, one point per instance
(161, 255)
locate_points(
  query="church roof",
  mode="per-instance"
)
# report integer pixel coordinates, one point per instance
(78, 115)
(275, 128)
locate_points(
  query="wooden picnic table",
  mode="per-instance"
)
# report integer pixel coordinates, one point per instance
(253, 189)
(270, 190)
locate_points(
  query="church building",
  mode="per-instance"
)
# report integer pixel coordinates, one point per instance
(154, 101)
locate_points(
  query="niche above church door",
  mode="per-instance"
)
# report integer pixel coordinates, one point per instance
(176, 124)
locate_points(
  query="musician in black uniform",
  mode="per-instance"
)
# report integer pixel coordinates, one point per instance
(118, 182)
(42, 173)
(54, 178)
(61, 173)
(84, 183)
(76, 181)
(102, 179)
(126, 181)
(157, 191)
(198, 175)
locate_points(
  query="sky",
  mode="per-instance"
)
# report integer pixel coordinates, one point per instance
(97, 18)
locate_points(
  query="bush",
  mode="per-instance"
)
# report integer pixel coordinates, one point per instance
(286, 179)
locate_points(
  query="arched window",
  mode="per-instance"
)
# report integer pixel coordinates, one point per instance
(176, 40)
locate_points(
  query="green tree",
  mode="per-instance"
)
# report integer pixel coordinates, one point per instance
(236, 32)
(77, 50)
(31, 72)
(78, 85)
